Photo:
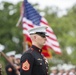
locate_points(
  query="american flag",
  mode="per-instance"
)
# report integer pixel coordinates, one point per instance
(32, 18)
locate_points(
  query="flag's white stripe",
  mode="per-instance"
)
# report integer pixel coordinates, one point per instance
(27, 21)
(26, 26)
(43, 19)
(56, 49)
(53, 42)
(42, 24)
(51, 35)
(25, 32)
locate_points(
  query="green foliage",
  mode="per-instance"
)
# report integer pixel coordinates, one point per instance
(8, 19)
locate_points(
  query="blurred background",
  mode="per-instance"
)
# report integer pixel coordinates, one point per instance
(61, 16)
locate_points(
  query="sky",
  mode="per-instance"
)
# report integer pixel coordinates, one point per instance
(61, 4)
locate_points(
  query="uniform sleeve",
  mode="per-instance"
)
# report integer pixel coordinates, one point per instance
(26, 64)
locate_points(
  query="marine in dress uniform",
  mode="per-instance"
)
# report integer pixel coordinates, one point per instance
(60, 70)
(9, 68)
(67, 70)
(72, 70)
(17, 61)
(32, 61)
(53, 70)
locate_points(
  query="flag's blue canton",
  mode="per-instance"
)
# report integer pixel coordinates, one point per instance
(31, 14)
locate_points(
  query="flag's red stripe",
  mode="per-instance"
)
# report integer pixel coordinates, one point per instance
(52, 39)
(28, 24)
(44, 22)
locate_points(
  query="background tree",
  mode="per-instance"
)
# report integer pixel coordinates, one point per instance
(10, 35)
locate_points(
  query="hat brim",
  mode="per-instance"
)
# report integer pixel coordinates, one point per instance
(42, 34)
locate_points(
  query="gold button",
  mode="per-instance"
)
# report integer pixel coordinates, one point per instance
(40, 63)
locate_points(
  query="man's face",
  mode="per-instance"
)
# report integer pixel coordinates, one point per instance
(11, 58)
(17, 60)
(54, 71)
(40, 40)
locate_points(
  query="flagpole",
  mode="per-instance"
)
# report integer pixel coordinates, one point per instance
(19, 21)
(17, 25)
(24, 44)
(21, 15)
